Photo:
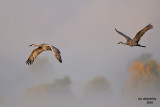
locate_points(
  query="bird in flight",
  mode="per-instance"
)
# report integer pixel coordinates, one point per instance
(40, 48)
(136, 39)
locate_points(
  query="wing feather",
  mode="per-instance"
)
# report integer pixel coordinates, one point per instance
(56, 53)
(123, 35)
(141, 33)
(33, 55)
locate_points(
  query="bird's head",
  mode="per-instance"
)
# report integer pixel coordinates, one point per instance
(120, 43)
(32, 45)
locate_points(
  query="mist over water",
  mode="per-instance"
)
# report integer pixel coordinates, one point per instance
(96, 71)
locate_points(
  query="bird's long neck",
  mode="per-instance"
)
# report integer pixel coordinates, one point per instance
(36, 45)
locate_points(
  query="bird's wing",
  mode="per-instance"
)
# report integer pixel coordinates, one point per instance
(33, 55)
(56, 53)
(123, 35)
(141, 33)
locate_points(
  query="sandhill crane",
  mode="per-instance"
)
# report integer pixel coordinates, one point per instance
(40, 48)
(136, 39)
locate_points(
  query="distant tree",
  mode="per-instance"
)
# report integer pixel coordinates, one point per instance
(98, 86)
(144, 57)
(60, 86)
(96, 92)
(58, 93)
(144, 79)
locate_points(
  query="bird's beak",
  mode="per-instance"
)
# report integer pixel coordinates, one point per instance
(118, 43)
(30, 45)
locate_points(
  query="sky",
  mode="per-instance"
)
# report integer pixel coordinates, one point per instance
(83, 30)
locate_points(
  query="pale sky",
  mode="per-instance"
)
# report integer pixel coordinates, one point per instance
(83, 30)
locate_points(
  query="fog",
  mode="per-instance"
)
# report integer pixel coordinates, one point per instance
(84, 33)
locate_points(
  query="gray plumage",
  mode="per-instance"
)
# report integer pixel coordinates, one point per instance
(136, 39)
(40, 48)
